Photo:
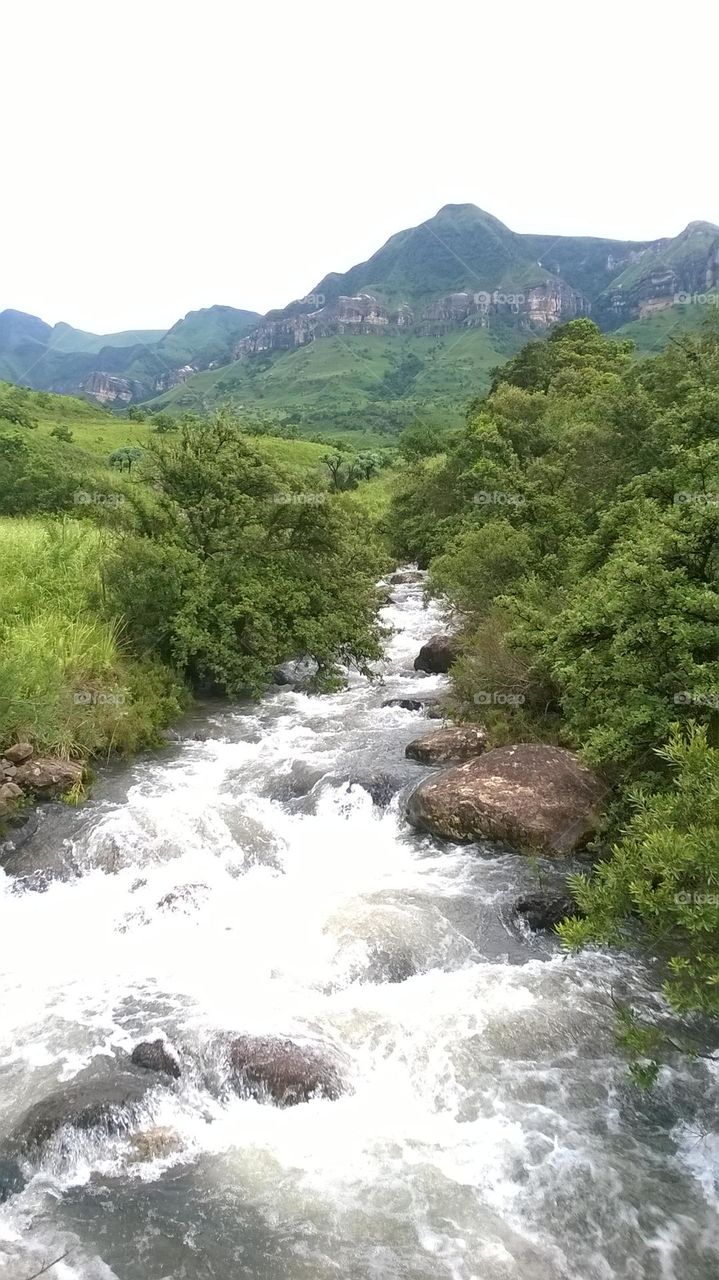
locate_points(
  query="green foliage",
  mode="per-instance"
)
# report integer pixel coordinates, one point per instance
(664, 873)
(575, 524)
(237, 564)
(66, 682)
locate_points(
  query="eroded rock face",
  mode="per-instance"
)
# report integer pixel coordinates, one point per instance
(156, 1055)
(448, 744)
(48, 777)
(438, 654)
(271, 1068)
(535, 797)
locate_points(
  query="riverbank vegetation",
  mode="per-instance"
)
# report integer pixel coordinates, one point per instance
(210, 559)
(574, 523)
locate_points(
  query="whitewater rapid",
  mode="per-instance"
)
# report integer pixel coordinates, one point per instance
(258, 876)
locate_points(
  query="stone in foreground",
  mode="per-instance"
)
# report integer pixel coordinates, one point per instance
(438, 654)
(448, 744)
(48, 777)
(538, 798)
(543, 912)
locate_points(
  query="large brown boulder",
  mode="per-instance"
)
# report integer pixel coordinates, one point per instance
(460, 743)
(404, 576)
(48, 777)
(438, 654)
(271, 1068)
(535, 797)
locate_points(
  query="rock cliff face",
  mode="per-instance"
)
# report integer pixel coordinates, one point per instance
(107, 389)
(537, 308)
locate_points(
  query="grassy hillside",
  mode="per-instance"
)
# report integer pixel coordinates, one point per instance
(354, 384)
(66, 338)
(67, 683)
(652, 334)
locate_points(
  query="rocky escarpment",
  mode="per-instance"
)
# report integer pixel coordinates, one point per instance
(537, 307)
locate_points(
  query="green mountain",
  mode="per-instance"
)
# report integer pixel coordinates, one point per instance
(121, 367)
(412, 332)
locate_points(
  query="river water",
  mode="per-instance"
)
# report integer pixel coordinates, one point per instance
(259, 877)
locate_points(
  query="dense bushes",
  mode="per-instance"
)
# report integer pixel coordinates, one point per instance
(575, 522)
(235, 564)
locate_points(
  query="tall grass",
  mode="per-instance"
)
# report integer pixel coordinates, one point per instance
(66, 683)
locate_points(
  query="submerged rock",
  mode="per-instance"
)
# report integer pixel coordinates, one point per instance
(532, 796)
(12, 1179)
(438, 654)
(156, 1055)
(270, 1068)
(448, 744)
(154, 1144)
(83, 1104)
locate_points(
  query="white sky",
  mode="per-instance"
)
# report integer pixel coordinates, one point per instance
(160, 156)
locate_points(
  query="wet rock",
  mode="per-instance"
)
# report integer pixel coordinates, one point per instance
(448, 744)
(12, 1180)
(298, 673)
(154, 1144)
(156, 1055)
(184, 897)
(270, 1068)
(83, 1104)
(18, 753)
(48, 777)
(381, 786)
(390, 965)
(438, 654)
(544, 911)
(532, 796)
(407, 704)
(404, 576)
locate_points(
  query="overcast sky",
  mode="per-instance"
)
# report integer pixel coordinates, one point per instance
(160, 156)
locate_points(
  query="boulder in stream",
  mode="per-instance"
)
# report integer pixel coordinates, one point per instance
(156, 1055)
(544, 911)
(535, 797)
(438, 654)
(271, 1068)
(85, 1103)
(405, 576)
(460, 743)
